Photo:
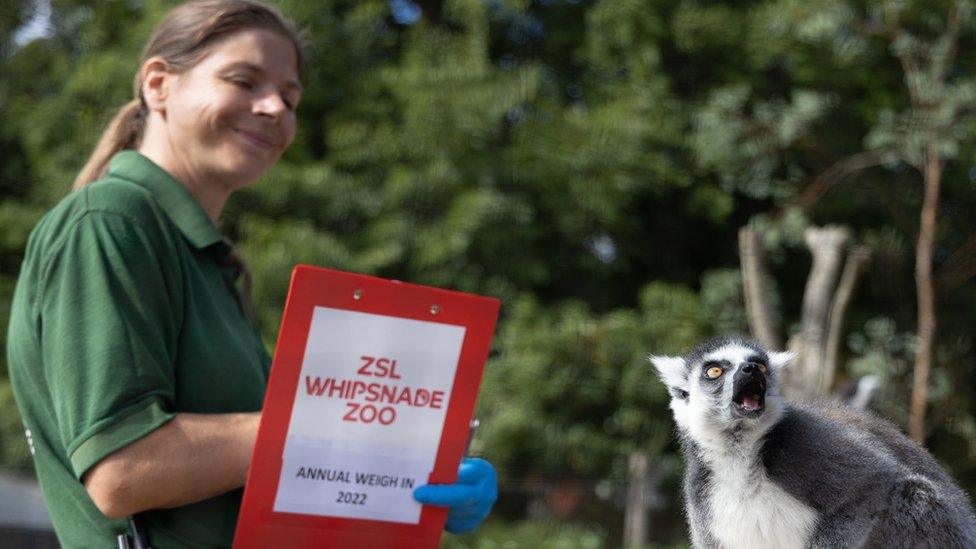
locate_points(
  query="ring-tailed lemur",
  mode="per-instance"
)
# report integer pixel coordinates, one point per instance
(764, 473)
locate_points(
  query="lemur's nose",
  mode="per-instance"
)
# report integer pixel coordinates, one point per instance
(748, 368)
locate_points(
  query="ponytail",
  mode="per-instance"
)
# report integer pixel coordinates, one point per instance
(123, 132)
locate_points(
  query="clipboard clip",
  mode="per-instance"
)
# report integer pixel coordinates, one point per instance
(472, 427)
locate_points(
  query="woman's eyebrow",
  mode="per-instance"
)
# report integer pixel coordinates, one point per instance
(248, 66)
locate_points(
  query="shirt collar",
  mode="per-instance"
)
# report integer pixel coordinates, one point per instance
(185, 212)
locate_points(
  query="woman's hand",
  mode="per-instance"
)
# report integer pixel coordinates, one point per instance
(469, 500)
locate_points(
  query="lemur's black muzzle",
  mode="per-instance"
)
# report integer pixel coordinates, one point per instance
(749, 389)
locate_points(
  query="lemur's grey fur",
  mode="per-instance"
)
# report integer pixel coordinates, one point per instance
(764, 473)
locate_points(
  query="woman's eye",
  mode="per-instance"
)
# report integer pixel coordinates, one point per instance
(243, 84)
(713, 372)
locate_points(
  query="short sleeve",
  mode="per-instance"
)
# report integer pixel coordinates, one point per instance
(109, 316)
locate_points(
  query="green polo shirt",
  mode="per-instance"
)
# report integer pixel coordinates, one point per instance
(125, 314)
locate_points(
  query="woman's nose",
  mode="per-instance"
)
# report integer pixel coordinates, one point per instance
(271, 105)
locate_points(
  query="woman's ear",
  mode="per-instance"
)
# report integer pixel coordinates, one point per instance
(156, 81)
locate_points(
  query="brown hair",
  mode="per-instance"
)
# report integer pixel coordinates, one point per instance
(182, 39)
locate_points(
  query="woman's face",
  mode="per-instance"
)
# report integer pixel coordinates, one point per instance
(230, 117)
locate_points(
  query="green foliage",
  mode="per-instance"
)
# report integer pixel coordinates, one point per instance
(885, 353)
(571, 393)
(544, 535)
(16, 221)
(744, 149)
(14, 451)
(721, 302)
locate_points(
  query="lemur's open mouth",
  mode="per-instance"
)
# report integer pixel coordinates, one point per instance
(749, 396)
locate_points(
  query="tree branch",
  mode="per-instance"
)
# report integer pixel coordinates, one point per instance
(826, 245)
(755, 286)
(815, 190)
(926, 293)
(953, 24)
(857, 260)
(908, 62)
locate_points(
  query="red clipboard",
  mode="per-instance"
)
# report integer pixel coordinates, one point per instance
(316, 294)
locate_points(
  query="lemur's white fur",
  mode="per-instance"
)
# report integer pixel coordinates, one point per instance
(756, 513)
(746, 509)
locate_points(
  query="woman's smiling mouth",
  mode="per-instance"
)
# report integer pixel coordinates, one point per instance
(257, 139)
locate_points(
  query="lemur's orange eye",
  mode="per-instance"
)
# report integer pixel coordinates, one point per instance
(713, 372)
(762, 367)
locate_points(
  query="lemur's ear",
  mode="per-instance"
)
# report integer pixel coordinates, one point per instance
(780, 360)
(672, 371)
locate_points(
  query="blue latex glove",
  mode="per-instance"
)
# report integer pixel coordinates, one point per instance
(469, 500)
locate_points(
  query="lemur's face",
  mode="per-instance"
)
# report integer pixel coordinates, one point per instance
(722, 384)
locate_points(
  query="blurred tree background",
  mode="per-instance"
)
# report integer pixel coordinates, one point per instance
(590, 163)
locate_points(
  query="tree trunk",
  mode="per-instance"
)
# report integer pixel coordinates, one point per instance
(755, 289)
(857, 259)
(635, 513)
(926, 294)
(826, 244)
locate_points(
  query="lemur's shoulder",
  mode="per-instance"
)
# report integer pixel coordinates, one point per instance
(826, 430)
(818, 450)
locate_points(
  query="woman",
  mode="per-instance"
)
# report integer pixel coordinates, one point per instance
(135, 367)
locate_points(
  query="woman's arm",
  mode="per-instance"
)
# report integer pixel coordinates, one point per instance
(188, 459)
